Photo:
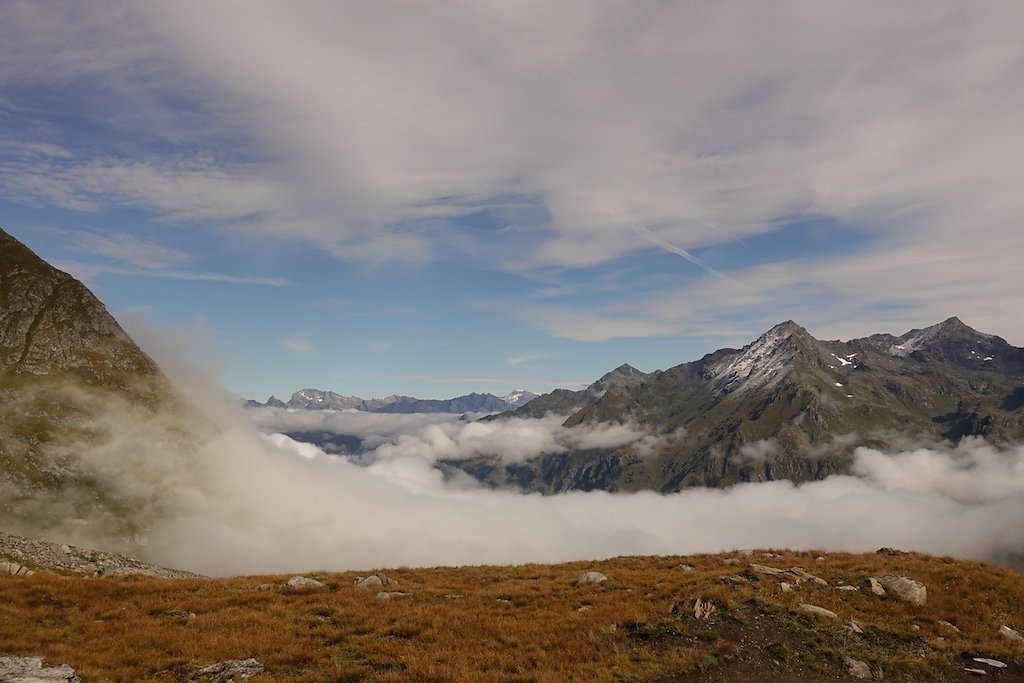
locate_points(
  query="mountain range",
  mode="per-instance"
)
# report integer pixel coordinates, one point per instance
(317, 399)
(786, 406)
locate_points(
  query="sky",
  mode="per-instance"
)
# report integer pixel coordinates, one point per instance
(437, 198)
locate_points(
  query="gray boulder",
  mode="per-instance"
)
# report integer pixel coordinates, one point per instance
(305, 583)
(591, 577)
(31, 670)
(378, 580)
(904, 589)
(857, 668)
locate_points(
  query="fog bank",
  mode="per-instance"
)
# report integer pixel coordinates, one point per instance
(259, 503)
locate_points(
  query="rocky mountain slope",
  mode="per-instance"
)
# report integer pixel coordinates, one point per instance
(317, 399)
(786, 406)
(68, 374)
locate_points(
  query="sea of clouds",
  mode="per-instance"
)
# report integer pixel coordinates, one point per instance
(242, 497)
(252, 501)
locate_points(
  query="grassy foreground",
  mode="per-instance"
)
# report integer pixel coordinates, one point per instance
(528, 623)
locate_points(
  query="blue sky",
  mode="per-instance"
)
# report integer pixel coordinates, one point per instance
(436, 199)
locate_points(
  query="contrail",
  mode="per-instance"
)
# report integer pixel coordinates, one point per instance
(650, 237)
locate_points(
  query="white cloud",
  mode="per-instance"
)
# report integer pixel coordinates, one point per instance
(131, 250)
(86, 271)
(526, 358)
(679, 125)
(298, 344)
(237, 501)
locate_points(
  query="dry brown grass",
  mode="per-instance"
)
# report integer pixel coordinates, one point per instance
(511, 623)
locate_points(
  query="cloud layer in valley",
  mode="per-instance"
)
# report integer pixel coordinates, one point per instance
(247, 502)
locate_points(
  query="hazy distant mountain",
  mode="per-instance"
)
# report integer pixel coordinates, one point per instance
(317, 399)
(785, 406)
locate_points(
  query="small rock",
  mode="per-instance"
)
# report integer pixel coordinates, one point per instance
(819, 559)
(746, 552)
(384, 595)
(857, 668)
(736, 578)
(1011, 633)
(31, 670)
(818, 611)
(994, 663)
(730, 561)
(948, 626)
(767, 571)
(584, 608)
(853, 626)
(976, 672)
(305, 583)
(786, 587)
(231, 670)
(876, 587)
(504, 601)
(591, 577)
(802, 575)
(453, 596)
(905, 589)
(373, 581)
(685, 568)
(847, 588)
(703, 610)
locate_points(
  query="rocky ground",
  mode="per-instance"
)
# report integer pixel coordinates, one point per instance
(764, 615)
(22, 556)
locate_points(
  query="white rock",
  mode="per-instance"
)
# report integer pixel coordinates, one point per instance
(685, 568)
(1011, 633)
(304, 582)
(905, 589)
(948, 626)
(876, 587)
(847, 588)
(818, 611)
(976, 672)
(852, 626)
(591, 577)
(786, 587)
(702, 610)
(994, 663)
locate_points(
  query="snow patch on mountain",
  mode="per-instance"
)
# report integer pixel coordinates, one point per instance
(759, 364)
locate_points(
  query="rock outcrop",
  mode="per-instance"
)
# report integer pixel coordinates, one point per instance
(50, 323)
(33, 670)
(37, 555)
